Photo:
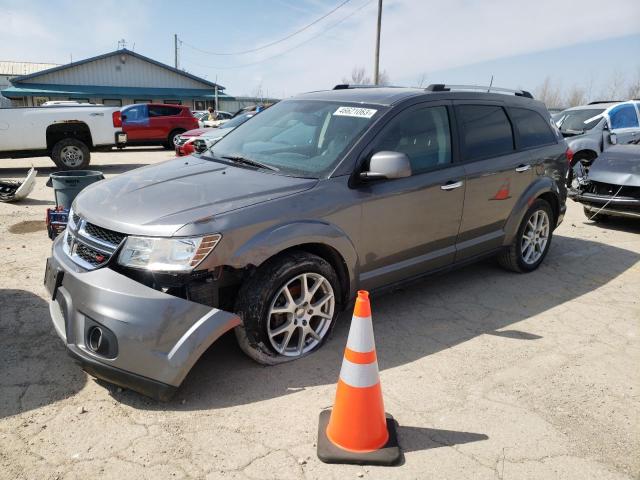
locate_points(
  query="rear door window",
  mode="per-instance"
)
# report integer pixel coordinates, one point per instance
(533, 130)
(623, 116)
(486, 131)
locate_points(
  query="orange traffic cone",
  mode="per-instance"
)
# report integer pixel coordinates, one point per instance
(357, 430)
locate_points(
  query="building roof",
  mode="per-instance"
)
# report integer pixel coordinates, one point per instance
(8, 67)
(36, 74)
(97, 91)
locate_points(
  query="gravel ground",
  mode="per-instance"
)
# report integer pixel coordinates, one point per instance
(490, 374)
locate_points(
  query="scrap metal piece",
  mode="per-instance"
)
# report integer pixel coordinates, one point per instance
(12, 191)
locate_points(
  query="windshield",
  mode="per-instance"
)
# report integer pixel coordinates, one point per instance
(239, 120)
(298, 137)
(573, 121)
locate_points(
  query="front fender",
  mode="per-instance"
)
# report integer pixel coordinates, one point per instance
(278, 238)
(580, 143)
(539, 187)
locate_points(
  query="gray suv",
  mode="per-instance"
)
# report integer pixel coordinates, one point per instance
(272, 231)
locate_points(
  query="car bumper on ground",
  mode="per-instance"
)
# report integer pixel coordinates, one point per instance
(126, 333)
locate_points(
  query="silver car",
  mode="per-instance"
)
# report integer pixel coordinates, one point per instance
(273, 229)
(591, 129)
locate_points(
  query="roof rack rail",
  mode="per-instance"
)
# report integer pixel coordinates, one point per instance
(345, 86)
(597, 102)
(441, 87)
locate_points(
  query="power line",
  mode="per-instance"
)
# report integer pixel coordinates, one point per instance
(290, 49)
(267, 45)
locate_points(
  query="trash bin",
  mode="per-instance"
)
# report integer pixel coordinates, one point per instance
(66, 185)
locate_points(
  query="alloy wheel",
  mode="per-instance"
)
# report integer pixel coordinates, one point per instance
(535, 237)
(300, 314)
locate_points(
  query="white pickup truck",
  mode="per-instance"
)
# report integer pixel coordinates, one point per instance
(66, 133)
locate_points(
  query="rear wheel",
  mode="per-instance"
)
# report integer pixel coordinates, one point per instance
(171, 140)
(288, 308)
(531, 243)
(71, 154)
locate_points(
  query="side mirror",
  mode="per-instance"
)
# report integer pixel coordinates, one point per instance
(387, 166)
(613, 138)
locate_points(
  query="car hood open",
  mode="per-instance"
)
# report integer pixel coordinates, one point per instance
(619, 165)
(159, 199)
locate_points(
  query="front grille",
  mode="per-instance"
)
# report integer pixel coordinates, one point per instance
(89, 245)
(109, 236)
(90, 255)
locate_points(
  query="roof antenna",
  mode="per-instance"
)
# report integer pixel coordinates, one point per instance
(490, 84)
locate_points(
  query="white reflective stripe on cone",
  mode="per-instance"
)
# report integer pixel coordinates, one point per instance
(359, 374)
(361, 335)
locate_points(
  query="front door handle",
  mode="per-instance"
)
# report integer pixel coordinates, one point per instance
(523, 168)
(451, 185)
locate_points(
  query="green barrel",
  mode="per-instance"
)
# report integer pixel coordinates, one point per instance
(66, 185)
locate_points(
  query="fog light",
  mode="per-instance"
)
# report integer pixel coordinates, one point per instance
(95, 339)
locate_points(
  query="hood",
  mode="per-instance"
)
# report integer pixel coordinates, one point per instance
(619, 165)
(160, 199)
(196, 132)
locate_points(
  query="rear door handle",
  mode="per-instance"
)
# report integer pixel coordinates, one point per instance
(451, 185)
(523, 168)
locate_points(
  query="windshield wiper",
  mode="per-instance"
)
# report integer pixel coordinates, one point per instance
(249, 161)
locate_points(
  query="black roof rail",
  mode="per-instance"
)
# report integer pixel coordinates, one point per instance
(441, 87)
(597, 102)
(345, 86)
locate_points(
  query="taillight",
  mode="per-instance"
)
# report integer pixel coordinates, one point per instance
(569, 155)
(117, 118)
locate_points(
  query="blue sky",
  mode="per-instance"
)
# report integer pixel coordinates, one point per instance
(585, 43)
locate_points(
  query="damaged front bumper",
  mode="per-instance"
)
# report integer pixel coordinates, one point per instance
(125, 332)
(619, 206)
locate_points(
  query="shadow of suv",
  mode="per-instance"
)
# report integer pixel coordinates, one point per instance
(272, 230)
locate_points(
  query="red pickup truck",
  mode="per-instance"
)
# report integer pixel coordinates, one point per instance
(156, 124)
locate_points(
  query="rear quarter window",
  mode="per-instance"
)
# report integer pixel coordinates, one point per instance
(486, 131)
(533, 130)
(163, 111)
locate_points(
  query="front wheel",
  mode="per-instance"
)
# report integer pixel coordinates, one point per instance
(288, 308)
(71, 154)
(531, 243)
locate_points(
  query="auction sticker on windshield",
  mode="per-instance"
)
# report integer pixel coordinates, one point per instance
(355, 112)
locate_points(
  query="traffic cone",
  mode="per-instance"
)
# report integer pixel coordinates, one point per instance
(357, 430)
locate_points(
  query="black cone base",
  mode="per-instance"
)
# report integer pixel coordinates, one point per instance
(388, 455)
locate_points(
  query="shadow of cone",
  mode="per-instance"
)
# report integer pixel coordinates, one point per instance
(357, 430)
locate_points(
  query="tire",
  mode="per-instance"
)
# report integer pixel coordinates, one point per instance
(258, 336)
(600, 217)
(513, 258)
(71, 154)
(170, 145)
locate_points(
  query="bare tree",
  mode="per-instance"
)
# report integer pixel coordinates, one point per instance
(383, 78)
(422, 80)
(549, 94)
(614, 89)
(576, 96)
(633, 89)
(358, 77)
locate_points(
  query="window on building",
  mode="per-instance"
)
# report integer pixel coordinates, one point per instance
(37, 101)
(172, 102)
(199, 105)
(623, 116)
(533, 129)
(112, 102)
(486, 131)
(142, 101)
(423, 135)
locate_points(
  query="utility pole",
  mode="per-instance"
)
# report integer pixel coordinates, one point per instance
(376, 66)
(175, 49)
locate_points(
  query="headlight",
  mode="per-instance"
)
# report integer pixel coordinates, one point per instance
(167, 254)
